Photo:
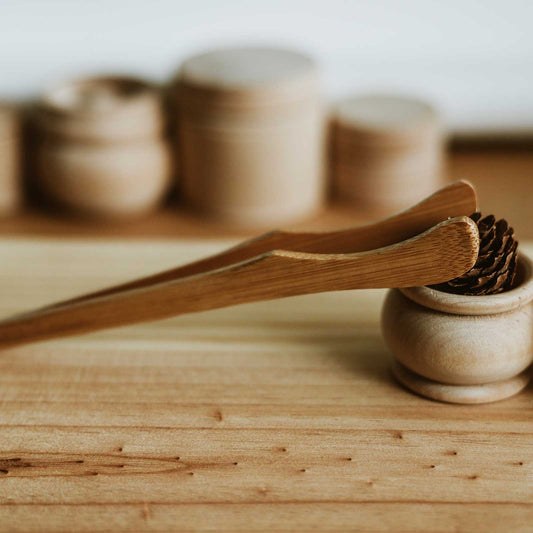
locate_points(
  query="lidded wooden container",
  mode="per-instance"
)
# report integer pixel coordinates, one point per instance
(10, 155)
(250, 134)
(386, 151)
(101, 146)
(462, 349)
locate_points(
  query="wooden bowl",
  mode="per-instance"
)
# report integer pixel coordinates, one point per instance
(462, 349)
(105, 181)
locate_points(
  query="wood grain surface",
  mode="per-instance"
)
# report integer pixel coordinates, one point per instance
(273, 416)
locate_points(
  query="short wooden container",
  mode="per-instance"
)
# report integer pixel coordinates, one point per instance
(250, 135)
(10, 155)
(101, 148)
(462, 349)
(386, 151)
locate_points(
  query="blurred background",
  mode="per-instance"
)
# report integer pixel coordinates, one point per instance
(470, 61)
(473, 58)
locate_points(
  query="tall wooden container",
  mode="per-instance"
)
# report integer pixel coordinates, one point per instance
(386, 151)
(250, 134)
(10, 147)
(101, 146)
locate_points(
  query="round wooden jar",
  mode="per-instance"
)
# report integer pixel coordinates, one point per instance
(462, 349)
(386, 151)
(250, 134)
(10, 147)
(101, 146)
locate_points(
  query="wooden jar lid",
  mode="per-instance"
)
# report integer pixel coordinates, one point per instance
(243, 89)
(246, 88)
(386, 119)
(248, 76)
(102, 109)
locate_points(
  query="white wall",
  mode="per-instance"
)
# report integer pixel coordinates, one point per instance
(473, 58)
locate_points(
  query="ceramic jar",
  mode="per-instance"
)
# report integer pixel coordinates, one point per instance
(101, 147)
(10, 147)
(462, 349)
(386, 151)
(250, 135)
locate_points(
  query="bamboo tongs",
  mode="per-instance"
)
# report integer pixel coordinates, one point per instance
(432, 242)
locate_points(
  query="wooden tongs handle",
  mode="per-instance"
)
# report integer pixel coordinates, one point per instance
(455, 200)
(445, 251)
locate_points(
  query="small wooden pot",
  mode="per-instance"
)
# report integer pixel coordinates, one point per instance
(386, 151)
(101, 147)
(462, 349)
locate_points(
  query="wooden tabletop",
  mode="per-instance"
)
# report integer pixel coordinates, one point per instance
(276, 416)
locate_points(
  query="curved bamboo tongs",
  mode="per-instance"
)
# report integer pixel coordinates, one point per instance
(280, 264)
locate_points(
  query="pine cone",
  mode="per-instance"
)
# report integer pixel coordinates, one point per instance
(495, 268)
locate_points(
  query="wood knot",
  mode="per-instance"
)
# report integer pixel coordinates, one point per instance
(146, 512)
(14, 462)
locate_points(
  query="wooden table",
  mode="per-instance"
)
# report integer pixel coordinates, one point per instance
(274, 416)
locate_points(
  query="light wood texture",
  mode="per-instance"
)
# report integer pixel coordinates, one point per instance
(464, 349)
(272, 416)
(443, 252)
